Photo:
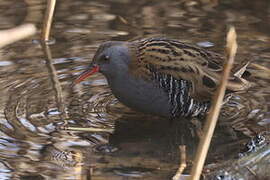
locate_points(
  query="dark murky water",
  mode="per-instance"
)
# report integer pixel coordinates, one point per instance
(36, 97)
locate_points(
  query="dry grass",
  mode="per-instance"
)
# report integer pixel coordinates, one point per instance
(215, 108)
(47, 23)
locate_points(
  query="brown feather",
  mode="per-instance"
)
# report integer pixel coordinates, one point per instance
(183, 61)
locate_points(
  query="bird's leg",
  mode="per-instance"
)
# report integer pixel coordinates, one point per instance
(180, 131)
(197, 129)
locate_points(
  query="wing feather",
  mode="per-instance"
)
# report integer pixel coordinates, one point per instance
(182, 61)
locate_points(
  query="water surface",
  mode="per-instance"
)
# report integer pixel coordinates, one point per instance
(37, 98)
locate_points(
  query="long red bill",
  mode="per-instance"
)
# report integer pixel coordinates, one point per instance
(86, 74)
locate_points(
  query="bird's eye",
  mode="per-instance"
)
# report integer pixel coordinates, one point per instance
(105, 58)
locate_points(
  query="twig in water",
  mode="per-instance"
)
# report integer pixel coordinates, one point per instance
(55, 82)
(183, 164)
(251, 171)
(260, 67)
(12, 35)
(48, 20)
(85, 129)
(215, 108)
(123, 20)
(78, 168)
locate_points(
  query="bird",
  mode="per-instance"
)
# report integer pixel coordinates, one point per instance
(163, 76)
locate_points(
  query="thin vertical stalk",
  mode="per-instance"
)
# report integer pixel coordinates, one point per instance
(215, 108)
(55, 81)
(48, 20)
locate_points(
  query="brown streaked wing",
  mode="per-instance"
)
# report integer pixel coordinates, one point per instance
(182, 61)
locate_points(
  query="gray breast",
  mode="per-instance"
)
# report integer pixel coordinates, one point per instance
(141, 95)
(163, 96)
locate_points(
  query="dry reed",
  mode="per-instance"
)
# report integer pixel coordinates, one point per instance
(215, 108)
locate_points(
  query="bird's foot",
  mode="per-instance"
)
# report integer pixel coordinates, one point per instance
(106, 148)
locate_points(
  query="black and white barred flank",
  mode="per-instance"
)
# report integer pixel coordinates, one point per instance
(182, 104)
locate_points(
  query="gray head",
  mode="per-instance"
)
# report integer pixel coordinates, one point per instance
(111, 59)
